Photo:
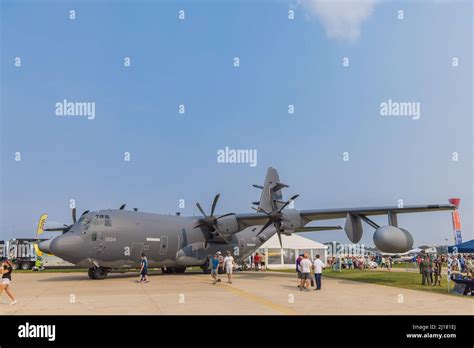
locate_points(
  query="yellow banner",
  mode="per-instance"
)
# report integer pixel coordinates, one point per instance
(38, 251)
(41, 223)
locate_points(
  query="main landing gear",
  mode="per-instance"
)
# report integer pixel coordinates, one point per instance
(98, 272)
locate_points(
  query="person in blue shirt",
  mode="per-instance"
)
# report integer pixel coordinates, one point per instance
(215, 268)
(144, 269)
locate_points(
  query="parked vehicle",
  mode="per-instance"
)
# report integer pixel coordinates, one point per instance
(22, 252)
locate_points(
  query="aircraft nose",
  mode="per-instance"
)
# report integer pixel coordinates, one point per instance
(45, 246)
(66, 247)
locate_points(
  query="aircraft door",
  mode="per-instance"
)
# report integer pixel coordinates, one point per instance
(98, 244)
(136, 253)
(163, 245)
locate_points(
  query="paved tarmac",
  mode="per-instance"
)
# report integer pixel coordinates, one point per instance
(193, 293)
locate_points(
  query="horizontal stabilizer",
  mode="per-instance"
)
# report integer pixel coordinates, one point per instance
(278, 186)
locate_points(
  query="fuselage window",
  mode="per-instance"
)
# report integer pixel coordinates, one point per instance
(94, 237)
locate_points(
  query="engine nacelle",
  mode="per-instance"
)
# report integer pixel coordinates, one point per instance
(292, 220)
(391, 239)
(227, 226)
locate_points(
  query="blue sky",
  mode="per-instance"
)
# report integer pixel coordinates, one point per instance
(190, 62)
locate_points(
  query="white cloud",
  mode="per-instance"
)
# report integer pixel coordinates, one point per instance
(342, 19)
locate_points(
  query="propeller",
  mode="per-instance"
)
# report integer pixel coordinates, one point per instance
(209, 222)
(276, 217)
(65, 227)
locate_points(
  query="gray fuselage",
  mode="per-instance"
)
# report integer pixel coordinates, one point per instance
(117, 238)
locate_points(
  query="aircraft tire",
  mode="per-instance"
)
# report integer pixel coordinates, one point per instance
(180, 269)
(100, 273)
(90, 272)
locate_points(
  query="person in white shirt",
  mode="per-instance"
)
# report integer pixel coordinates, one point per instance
(229, 266)
(318, 266)
(305, 266)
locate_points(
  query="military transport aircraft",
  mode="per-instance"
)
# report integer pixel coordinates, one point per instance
(113, 239)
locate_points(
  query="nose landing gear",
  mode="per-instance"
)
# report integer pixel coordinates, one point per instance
(98, 272)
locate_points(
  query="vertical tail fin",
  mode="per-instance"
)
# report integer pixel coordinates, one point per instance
(271, 197)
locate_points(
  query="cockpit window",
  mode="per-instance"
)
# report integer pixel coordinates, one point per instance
(85, 221)
(102, 220)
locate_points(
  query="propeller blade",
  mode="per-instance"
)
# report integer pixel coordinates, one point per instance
(269, 222)
(214, 203)
(288, 202)
(56, 229)
(198, 225)
(225, 215)
(74, 215)
(122, 207)
(294, 197)
(200, 209)
(279, 238)
(85, 212)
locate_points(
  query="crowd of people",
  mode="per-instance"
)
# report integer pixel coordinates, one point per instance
(257, 262)
(360, 262)
(462, 263)
(431, 265)
(226, 264)
(309, 272)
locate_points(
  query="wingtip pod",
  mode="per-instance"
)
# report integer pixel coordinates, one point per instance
(455, 201)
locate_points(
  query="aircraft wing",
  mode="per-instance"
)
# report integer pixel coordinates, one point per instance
(252, 219)
(328, 214)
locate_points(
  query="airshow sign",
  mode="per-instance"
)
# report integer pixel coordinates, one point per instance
(456, 221)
